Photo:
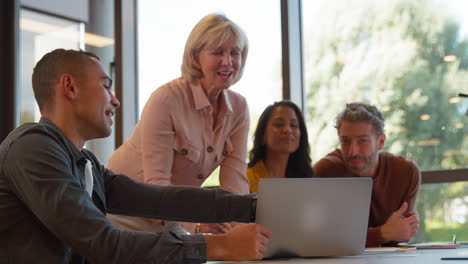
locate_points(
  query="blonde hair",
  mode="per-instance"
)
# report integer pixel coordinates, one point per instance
(211, 31)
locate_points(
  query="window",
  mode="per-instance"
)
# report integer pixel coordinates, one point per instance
(40, 34)
(444, 209)
(410, 59)
(164, 27)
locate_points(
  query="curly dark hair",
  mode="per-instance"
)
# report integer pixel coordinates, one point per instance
(362, 112)
(299, 163)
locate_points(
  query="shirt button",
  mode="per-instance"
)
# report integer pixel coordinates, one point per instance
(209, 149)
(200, 176)
(184, 152)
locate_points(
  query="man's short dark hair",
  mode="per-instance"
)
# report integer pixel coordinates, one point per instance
(49, 69)
(362, 112)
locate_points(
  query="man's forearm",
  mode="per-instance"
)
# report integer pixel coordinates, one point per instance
(176, 203)
(374, 237)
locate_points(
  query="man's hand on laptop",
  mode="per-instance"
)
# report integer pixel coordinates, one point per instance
(401, 225)
(243, 242)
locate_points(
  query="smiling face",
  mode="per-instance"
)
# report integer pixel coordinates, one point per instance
(282, 133)
(95, 103)
(360, 146)
(220, 65)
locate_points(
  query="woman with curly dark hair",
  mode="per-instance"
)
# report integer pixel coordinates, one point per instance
(281, 145)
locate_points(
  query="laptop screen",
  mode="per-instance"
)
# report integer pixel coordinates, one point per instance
(315, 216)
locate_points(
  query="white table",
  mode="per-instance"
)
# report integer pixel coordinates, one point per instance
(413, 256)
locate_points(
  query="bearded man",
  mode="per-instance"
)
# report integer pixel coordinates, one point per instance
(396, 180)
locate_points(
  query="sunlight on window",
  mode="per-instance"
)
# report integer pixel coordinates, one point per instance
(407, 57)
(407, 60)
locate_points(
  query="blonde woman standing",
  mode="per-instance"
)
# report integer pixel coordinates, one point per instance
(193, 124)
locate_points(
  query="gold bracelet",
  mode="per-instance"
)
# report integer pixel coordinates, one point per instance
(197, 228)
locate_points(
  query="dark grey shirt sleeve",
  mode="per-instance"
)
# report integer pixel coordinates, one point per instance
(41, 174)
(176, 203)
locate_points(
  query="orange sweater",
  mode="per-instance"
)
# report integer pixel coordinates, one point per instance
(397, 180)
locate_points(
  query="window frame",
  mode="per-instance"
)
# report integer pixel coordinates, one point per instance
(9, 28)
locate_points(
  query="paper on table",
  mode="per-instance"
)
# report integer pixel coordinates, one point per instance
(383, 250)
(435, 245)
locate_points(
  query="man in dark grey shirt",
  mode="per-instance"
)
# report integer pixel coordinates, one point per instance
(47, 215)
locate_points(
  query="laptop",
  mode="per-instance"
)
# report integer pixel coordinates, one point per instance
(312, 217)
